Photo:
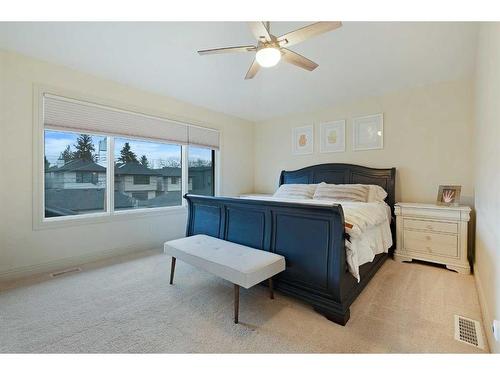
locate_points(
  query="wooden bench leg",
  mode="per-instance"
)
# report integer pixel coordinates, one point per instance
(172, 270)
(271, 291)
(236, 302)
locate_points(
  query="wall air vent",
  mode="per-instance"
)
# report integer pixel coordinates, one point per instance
(468, 331)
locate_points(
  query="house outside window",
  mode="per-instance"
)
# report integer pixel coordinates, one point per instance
(142, 172)
(74, 183)
(201, 171)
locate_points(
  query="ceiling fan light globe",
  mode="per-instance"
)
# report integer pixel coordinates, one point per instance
(267, 57)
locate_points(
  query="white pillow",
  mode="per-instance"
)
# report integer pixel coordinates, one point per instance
(342, 192)
(376, 193)
(295, 191)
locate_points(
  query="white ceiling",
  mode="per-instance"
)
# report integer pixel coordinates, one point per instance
(360, 59)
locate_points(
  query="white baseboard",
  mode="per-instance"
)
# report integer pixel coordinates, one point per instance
(487, 320)
(55, 265)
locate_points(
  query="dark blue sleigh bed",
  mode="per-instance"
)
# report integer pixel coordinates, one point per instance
(311, 238)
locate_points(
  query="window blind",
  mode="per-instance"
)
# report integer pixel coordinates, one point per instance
(203, 137)
(63, 113)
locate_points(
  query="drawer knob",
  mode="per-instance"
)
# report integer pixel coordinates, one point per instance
(428, 238)
(429, 226)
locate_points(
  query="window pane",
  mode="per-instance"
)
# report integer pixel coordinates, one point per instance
(75, 173)
(201, 171)
(141, 180)
(147, 174)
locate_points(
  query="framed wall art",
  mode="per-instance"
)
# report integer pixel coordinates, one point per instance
(332, 136)
(368, 132)
(303, 140)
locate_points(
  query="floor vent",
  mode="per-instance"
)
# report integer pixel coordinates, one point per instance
(65, 272)
(468, 331)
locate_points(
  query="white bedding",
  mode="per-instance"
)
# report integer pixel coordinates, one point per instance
(362, 249)
(370, 233)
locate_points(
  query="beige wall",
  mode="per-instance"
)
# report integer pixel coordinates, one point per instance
(428, 138)
(24, 250)
(487, 175)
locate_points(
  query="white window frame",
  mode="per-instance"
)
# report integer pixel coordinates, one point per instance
(40, 222)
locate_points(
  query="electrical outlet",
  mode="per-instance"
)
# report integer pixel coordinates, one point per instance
(496, 329)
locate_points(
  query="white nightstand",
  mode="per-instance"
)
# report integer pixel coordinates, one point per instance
(433, 233)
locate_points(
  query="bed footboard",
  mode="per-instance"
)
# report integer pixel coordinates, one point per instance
(311, 238)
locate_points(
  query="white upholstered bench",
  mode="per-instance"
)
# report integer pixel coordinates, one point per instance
(242, 265)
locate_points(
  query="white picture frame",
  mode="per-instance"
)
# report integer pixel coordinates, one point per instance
(332, 136)
(303, 140)
(368, 132)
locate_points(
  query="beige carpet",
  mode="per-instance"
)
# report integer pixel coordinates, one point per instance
(129, 307)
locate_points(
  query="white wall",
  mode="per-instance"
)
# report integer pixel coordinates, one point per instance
(24, 250)
(487, 175)
(428, 138)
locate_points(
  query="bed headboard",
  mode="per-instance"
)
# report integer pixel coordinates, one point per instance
(338, 173)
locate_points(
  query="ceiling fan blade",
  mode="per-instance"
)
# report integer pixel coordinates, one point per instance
(298, 60)
(260, 31)
(254, 68)
(215, 51)
(307, 32)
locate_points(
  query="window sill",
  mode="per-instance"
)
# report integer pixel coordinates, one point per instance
(117, 216)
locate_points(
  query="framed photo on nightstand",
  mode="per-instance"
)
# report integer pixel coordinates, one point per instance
(449, 195)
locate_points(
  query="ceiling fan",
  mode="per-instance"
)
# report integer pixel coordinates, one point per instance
(271, 49)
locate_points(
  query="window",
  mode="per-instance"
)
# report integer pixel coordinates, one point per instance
(99, 160)
(201, 171)
(141, 179)
(86, 178)
(75, 177)
(142, 170)
(140, 195)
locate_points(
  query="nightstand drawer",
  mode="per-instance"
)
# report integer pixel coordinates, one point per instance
(431, 243)
(434, 226)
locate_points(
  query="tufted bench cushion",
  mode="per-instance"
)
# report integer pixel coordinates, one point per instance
(241, 265)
